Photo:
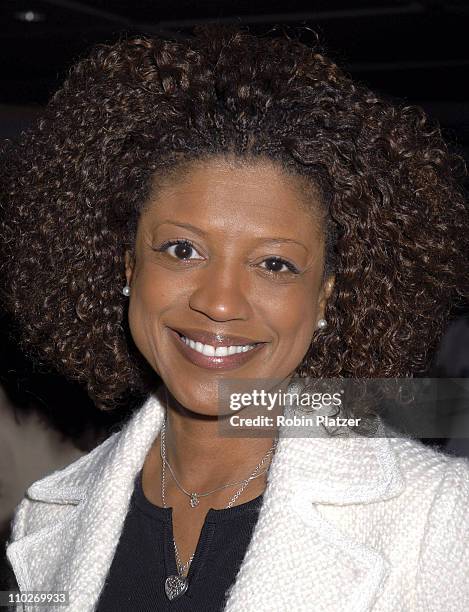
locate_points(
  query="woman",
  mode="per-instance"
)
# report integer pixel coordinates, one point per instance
(249, 213)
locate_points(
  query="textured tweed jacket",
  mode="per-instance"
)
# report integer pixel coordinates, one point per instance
(350, 525)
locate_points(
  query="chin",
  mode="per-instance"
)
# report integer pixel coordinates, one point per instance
(212, 398)
(200, 399)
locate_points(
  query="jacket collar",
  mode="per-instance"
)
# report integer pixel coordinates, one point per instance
(290, 538)
(331, 470)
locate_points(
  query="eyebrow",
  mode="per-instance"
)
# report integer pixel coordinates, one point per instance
(283, 240)
(197, 230)
(188, 226)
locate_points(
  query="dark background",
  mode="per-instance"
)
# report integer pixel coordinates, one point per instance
(416, 51)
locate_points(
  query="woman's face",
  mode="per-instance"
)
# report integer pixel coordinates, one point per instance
(226, 280)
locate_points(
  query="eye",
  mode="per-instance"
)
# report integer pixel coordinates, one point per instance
(180, 249)
(277, 265)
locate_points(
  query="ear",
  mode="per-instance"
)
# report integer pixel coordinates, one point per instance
(129, 266)
(324, 294)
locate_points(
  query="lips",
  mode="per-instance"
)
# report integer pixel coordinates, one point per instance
(215, 350)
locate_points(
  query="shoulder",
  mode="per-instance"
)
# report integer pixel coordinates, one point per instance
(435, 482)
(438, 492)
(117, 459)
(49, 499)
(429, 469)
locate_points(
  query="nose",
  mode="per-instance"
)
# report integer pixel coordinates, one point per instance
(221, 292)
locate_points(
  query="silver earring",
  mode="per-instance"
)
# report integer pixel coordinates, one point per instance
(322, 323)
(126, 290)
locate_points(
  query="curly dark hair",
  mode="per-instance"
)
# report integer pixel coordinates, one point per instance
(75, 184)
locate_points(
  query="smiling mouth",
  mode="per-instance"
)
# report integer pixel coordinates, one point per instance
(219, 351)
(221, 356)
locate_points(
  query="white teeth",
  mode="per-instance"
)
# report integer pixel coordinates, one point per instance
(219, 351)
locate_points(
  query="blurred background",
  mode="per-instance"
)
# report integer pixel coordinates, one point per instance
(413, 51)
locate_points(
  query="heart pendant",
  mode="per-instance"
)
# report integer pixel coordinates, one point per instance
(175, 586)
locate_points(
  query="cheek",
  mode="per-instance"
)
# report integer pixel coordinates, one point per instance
(154, 291)
(151, 297)
(291, 315)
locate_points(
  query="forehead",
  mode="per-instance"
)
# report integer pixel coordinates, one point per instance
(224, 194)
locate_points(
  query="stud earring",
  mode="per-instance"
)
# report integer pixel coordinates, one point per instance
(126, 291)
(322, 323)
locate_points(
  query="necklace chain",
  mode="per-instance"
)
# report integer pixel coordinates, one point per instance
(194, 497)
(244, 483)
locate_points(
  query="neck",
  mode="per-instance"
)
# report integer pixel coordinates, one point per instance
(202, 459)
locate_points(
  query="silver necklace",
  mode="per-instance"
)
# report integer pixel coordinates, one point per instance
(194, 498)
(177, 585)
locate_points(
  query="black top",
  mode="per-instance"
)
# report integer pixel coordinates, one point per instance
(144, 558)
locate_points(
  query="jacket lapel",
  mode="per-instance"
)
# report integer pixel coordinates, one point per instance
(296, 558)
(75, 553)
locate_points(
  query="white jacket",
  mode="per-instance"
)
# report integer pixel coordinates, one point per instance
(350, 525)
